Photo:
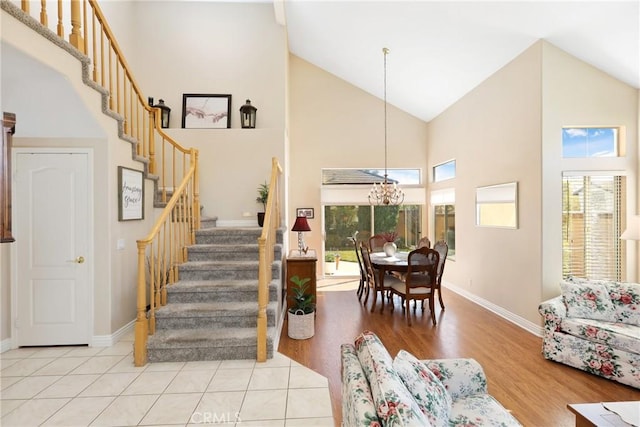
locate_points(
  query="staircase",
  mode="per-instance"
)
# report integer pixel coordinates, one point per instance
(211, 311)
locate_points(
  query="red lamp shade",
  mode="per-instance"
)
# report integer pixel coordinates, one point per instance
(301, 224)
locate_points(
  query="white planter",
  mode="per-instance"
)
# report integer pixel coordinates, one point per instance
(301, 326)
(330, 267)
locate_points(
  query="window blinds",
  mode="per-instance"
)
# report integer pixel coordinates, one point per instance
(592, 212)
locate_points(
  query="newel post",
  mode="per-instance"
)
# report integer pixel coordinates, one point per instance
(141, 326)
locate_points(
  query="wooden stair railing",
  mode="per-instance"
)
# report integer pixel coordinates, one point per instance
(266, 243)
(159, 255)
(91, 35)
(164, 248)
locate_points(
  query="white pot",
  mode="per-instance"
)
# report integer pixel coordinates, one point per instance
(301, 326)
(390, 248)
(329, 267)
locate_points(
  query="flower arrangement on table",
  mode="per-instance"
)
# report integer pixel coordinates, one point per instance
(389, 236)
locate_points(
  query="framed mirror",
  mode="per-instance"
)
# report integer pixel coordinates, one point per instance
(497, 205)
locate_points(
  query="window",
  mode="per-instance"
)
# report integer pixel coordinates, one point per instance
(497, 205)
(369, 176)
(444, 218)
(444, 171)
(361, 222)
(590, 142)
(592, 212)
(444, 227)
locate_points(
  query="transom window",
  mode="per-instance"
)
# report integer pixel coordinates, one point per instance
(444, 171)
(590, 142)
(369, 176)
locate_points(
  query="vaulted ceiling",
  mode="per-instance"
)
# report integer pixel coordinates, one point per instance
(440, 50)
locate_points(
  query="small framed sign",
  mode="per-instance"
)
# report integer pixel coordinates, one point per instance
(130, 194)
(308, 212)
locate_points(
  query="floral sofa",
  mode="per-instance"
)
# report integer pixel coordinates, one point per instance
(595, 326)
(404, 391)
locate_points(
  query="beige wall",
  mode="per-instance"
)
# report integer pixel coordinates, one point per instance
(336, 125)
(493, 133)
(577, 94)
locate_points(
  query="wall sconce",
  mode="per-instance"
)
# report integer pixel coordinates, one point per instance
(165, 112)
(301, 225)
(248, 115)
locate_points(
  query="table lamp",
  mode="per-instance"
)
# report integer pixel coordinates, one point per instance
(633, 229)
(301, 225)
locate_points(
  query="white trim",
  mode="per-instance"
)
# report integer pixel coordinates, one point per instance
(500, 311)
(6, 345)
(109, 340)
(595, 172)
(358, 194)
(90, 236)
(445, 196)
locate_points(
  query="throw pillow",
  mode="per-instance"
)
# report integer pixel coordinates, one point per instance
(587, 300)
(432, 397)
(394, 404)
(626, 301)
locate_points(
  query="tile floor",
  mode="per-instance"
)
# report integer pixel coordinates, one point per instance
(98, 386)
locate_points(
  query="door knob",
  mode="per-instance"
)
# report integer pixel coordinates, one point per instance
(78, 260)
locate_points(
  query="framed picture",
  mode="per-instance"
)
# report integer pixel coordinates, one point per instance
(130, 194)
(200, 111)
(308, 212)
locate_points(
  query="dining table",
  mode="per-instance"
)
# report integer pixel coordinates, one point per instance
(385, 264)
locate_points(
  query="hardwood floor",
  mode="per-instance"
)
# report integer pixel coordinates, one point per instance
(536, 390)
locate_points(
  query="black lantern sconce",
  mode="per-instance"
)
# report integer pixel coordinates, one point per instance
(165, 112)
(248, 115)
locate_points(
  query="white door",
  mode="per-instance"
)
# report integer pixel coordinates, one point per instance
(53, 280)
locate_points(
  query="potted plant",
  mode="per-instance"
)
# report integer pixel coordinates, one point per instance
(390, 247)
(263, 195)
(329, 263)
(301, 314)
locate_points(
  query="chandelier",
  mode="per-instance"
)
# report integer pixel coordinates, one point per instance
(385, 193)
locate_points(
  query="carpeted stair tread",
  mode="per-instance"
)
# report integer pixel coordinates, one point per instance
(208, 309)
(225, 265)
(186, 338)
(211, 285)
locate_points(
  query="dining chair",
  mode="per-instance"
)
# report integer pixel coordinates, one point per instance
(424, 243)
(374, 282)
(376, 243)
(420, 280)
(443, 249)
(363, 274)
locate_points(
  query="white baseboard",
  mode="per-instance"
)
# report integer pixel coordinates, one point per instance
(96, 340)
(500, 311)
(109, 340)
(6, 345)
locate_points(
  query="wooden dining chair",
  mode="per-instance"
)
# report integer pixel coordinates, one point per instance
(424, 242)
(443, 249)
(363, 274)
(376, 243)
(374, 282)
(420, 281)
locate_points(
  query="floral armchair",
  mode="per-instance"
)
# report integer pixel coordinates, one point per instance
(595, 326)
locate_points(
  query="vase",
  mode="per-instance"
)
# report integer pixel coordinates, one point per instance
(390, 248)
